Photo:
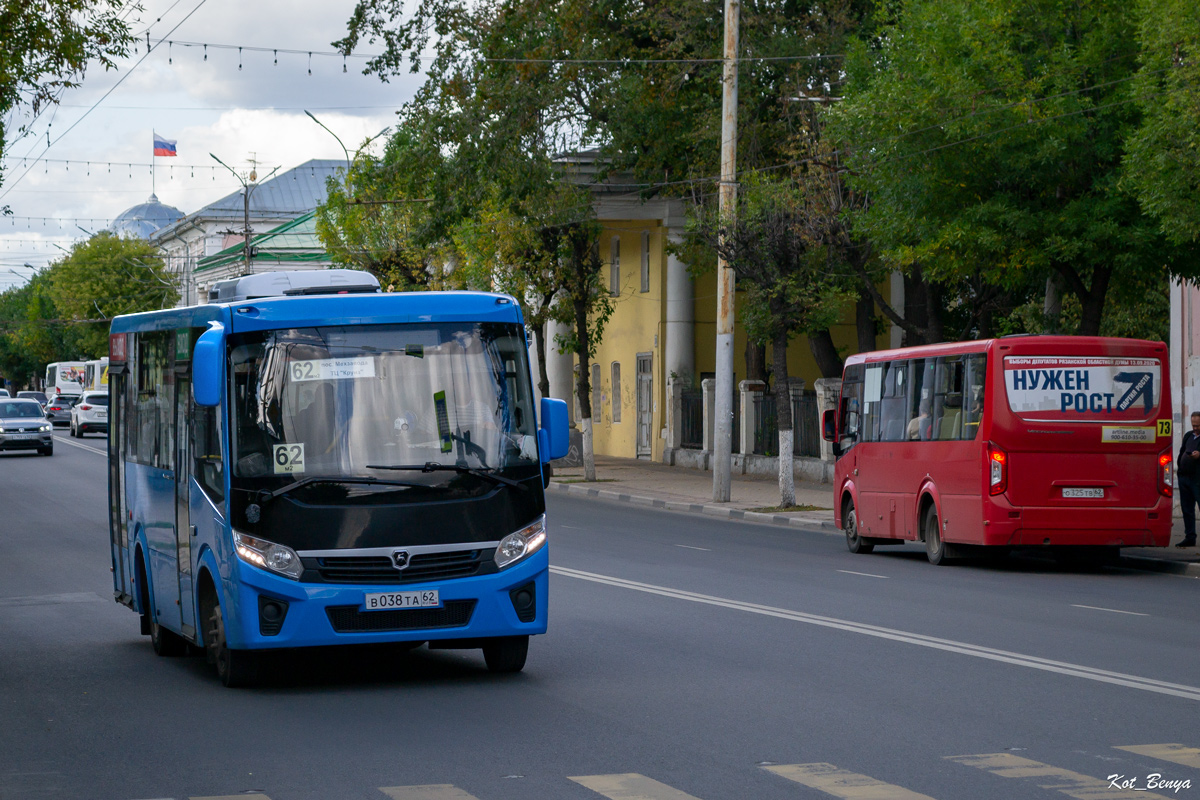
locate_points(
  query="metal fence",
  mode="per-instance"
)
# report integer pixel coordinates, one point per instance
(806, 427)
(692, 419)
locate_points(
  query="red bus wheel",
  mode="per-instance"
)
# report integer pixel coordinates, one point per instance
(935, 548)
(854, 541)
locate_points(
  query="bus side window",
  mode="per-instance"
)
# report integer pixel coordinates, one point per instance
(893, 405)
(209, 468)
(976, 377)
(948, 399)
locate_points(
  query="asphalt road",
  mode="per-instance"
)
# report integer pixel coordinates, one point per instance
(687, 657)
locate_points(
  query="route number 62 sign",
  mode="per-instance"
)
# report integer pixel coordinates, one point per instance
(288, 458)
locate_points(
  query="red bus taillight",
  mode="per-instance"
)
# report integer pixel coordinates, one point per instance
(998, 470)
(1164, 473)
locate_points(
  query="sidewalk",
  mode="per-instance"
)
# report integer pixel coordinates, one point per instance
(753, 498)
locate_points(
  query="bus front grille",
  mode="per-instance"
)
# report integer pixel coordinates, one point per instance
(379, 569)
(352, 619)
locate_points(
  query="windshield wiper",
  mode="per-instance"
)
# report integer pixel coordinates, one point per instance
(264, 496)
(433, 466)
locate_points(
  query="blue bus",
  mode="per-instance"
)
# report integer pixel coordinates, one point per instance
(307, 461)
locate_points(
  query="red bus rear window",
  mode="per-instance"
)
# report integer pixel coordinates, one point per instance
(1083, 388)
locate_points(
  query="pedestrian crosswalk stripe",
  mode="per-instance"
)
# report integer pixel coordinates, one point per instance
(1175, 753)
(630, 786)
(431, 791)
(1072, 784)
(843, 783)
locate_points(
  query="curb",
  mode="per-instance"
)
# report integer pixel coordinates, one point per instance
(826, 526)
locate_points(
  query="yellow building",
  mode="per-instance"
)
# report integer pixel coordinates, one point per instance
(663, 328)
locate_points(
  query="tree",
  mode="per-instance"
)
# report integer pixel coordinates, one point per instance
(1162, 157)
(989, 138)
(104, 276)
(789, 286)
(47, 47)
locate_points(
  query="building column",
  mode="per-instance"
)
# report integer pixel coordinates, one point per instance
(560, 369)
(680, 318)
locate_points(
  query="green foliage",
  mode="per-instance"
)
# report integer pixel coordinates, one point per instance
(1163, 155)
(989, 137)
(47, 45)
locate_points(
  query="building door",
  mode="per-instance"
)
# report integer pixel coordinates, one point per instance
(645, 405)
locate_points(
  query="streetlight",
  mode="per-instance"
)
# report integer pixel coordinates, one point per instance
(248, 187)
(345, 150)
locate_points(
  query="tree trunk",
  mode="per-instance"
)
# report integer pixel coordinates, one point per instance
(1093, 302)
(783, 418)
(824, 351)
(864, 321)
(539, 343)
(584, 385)
(1052, 307)
(756, 362)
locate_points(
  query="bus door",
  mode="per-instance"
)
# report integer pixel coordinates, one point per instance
(117, 525)
(880, 462)
(183, 526)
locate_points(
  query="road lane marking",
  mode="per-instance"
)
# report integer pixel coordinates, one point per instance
(1072, 784)
(864, 574)
(432, 791)
(1111, 610)
(630, 786)
(235, 797)
(92, 449)
(830, 779)
(51, 599)
(1175, 753)
(689, 547)
(948, 645)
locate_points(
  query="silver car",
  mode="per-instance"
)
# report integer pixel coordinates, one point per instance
(23, 426)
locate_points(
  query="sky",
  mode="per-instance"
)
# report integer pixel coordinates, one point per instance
(201, 99)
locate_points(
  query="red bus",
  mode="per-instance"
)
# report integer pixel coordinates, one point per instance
(1038, 441)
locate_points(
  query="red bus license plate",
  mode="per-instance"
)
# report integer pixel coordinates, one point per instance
(1083, 492)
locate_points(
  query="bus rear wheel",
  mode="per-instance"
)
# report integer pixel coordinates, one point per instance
(854, 541)
(506, 653)
(234, 667)
(166, 643)
(935, 548)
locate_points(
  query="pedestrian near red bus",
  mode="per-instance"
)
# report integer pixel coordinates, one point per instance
(1187, 473)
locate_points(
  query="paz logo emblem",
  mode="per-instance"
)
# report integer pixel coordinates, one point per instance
(400, 559)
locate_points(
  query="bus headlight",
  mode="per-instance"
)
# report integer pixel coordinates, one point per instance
(268, 555)
(524, 542)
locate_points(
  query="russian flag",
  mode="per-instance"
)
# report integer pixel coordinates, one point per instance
(164, 147)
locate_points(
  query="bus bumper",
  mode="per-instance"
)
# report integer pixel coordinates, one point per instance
(328, 614)
(1030, 526)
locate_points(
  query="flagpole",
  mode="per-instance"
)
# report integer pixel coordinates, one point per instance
(153, 160)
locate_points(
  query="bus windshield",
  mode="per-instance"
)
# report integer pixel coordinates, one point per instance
(348, 400)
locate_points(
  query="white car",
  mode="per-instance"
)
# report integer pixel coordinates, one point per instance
(90, 414)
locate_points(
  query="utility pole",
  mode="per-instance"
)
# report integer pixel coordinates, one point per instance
(248, 186)
(727, 212)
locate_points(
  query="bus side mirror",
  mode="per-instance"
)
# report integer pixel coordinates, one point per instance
(554, 436)
(829, 425)
(208, 367)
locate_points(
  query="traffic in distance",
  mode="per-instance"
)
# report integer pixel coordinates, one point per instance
(1048, 441)
(308, 461)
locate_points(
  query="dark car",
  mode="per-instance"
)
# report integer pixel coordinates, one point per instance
(24, 427)
(39, 396)
(58, 410)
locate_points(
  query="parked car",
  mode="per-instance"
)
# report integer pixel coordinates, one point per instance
(4, 393)
(24, 427)
(39, 396)
(58, 410)
(90, 414)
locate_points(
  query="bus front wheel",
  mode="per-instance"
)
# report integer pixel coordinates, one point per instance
(234, 667)
(165, 642)
(935, 548)
(506, 653)
(854, 541)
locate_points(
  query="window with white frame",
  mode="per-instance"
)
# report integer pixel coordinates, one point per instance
(614, 266)
(645, 261)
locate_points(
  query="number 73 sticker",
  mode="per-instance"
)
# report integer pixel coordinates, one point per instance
(288, 458)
